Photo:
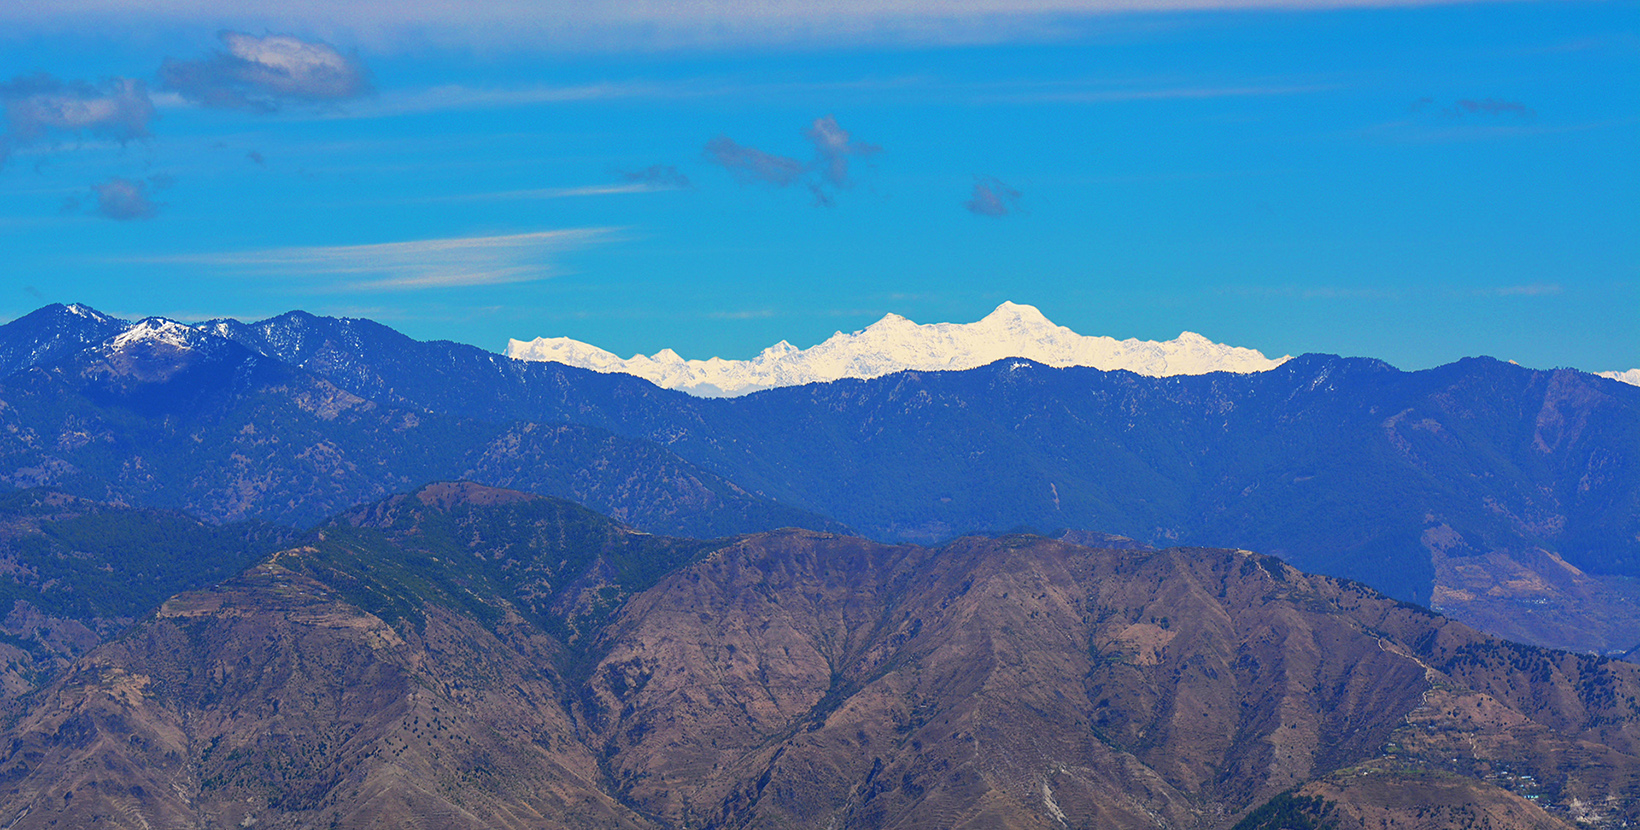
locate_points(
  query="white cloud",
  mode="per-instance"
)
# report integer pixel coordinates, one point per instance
(833, 146)
(262, 73)
(125, 199)
(642, 24)
(457, 97)
(462, 98)
(1137, 93)
(557, 192)
(424, 263)
(40, 107)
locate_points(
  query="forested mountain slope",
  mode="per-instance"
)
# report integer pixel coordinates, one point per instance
(470, 657)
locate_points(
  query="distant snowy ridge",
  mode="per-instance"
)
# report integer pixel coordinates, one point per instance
(1631, 377)
(895, 344)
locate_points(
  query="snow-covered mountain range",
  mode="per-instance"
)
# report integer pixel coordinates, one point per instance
(894, 344)
(890, 345)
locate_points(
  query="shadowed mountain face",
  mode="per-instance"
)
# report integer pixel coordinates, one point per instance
(469, 657)
(52, 333)
(1507, 497)
(184, 419)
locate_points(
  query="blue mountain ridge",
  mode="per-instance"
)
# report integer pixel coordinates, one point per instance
(1342, 466)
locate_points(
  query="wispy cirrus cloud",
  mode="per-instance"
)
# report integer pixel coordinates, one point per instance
(551, 193)
(466, 98)
(658, 177)
(1537, 289)
(1314, 292)
(1485, 119)
(461, 97)
(1090, 92)
(649, 24)
(1492, 106)
(453, 262)
(651, 179)
(1335, 292)
(266, 73)
(1412, 132)
(1474, 107)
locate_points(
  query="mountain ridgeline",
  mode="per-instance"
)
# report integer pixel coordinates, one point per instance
(1504, 496)
(468, 657)
(730, 655)
(176, 417)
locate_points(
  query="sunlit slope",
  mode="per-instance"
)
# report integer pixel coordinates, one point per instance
(468, 657)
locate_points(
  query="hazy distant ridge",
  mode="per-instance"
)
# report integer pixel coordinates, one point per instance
(895, 344)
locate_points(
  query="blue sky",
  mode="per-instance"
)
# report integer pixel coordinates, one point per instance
(1416, 182)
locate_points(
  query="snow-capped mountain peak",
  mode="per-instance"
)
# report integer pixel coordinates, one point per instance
(1631, 377)
(896, 343)
(157, 331)
(88, 312)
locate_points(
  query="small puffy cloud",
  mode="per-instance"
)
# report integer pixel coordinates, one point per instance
(833, 147)
(749, 164)
(265, 73)
(39, 107)
(992, 198)
(126, 199)
(659, 177)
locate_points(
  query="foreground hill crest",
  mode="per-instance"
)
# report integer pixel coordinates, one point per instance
(466, 657)
(895, 344)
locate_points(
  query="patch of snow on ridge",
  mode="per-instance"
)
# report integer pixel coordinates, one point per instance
(895, 344)
(156, 330)
(86, 311)
(1631, 377)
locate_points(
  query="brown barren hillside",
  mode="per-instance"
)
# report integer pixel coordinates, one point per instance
(464, 658)
(1021, 683)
